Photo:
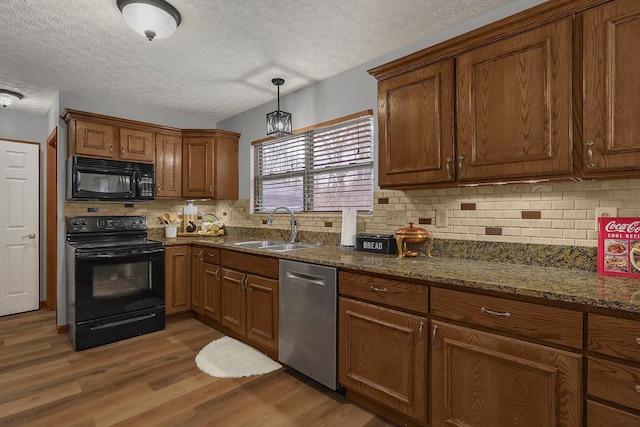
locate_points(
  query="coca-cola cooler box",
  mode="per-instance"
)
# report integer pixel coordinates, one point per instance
(619, 246)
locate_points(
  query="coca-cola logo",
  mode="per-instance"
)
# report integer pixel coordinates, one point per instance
(629, 227)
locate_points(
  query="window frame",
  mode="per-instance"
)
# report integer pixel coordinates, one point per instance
(308, 172)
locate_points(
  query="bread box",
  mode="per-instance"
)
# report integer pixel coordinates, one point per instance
(376, 243)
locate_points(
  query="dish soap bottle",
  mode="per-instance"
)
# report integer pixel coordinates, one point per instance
(190, 216)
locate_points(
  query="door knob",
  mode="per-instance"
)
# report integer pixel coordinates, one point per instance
(30, 236)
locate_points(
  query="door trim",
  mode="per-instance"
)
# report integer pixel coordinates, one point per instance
(51, 215)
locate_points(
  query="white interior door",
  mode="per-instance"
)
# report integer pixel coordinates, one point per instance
(19, 240)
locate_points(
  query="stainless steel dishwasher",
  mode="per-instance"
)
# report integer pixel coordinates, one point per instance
(308, 320)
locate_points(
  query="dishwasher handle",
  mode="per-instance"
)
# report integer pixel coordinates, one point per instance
(316, 280)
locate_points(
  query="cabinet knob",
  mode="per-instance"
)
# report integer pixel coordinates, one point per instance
(122, 151)
(111, 148)
(637, 387)
(638, 340)
(448, 167)
(590, 163)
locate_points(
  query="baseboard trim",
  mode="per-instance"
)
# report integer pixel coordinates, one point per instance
(62, 329)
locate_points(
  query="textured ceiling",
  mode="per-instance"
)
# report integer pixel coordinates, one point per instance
(221, 59)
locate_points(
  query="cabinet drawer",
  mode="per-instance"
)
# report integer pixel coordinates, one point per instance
(599, 415)
(614, 382)
(534, 321)
(211, 255)
(393, 293)
(249, 263)
(614, 337)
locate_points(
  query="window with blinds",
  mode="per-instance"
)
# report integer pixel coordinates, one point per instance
(320, 170)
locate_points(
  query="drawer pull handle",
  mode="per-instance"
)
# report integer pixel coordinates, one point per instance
(495, 313)
(383, 290)
(420, 339)
(638, 340)
(638, 388)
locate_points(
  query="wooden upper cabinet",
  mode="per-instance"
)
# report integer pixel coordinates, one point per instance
(91, 139)
(514, 107)
(197, 167)
(210, 164)
(136, 145)
(611, 85)
(106, 137)
(415, 120)
(168, 161)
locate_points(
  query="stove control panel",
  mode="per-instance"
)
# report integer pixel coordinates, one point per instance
(97, 224)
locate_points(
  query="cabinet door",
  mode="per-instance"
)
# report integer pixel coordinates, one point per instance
(514, 106)
(262, 311)
(197, 167)
(383, 356)
(211, 290)
(168, 161)
(136, 145)
(225, 168)
(232, 300)
(482, 379)
(197, 297)
(177, 279)
(94, 139)
(415, 120)
(611, 135)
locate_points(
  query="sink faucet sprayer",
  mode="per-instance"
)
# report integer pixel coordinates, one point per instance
(294, 227)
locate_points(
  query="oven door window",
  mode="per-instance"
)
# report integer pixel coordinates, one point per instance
(121, 280)
(105, 184)
(115, 283)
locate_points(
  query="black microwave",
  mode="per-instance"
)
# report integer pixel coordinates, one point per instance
(109, 180)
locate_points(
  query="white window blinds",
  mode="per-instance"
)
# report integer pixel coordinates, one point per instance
(321, 170)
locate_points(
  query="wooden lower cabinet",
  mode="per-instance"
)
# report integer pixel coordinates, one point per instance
(383, 356)
(483, 379)
(613, 371)
(249, 301)
(197, 296)
(211, 277)
(177, 279)
(205, 282)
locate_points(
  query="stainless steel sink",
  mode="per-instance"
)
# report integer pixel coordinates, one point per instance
(275, 245)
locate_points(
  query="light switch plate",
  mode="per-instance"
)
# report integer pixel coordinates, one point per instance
(441, 216)
(605, 212)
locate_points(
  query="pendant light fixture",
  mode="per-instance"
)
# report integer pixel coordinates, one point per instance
(278, 122)
(154, 19)
(8, 97)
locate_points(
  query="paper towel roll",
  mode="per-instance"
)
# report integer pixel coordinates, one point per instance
(348, 235)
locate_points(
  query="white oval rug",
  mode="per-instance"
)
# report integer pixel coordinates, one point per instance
(230, 358)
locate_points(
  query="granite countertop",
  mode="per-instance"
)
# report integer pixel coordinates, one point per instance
(586, 288)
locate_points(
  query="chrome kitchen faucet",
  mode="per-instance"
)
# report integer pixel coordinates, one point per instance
(294, 227)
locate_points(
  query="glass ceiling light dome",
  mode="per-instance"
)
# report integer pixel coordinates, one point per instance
(154, 19)
(8, 97)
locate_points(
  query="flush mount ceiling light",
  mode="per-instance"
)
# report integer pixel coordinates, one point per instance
(8, 97)
(278, 122)
(154, 19)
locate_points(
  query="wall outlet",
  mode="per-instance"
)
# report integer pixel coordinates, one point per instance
(605, 212)
(441, 216)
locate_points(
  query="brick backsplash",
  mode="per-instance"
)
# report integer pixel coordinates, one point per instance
(564, 211)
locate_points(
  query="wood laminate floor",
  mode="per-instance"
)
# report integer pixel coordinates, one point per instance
(151, 380)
